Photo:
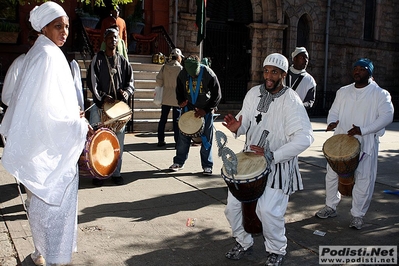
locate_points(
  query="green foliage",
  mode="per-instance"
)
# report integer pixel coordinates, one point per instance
(87, 2)
(9, 27)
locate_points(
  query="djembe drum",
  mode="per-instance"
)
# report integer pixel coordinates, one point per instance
(342, 154)
(114, 110)
(191, 126)
(100, 155)
(247, 186)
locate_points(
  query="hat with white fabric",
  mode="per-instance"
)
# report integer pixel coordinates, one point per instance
(277, 60)
(42, 15)
(299, 50)
(176, 52)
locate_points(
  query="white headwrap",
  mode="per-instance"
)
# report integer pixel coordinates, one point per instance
(42, 15)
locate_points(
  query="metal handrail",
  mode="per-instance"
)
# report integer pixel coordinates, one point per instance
(163, 43)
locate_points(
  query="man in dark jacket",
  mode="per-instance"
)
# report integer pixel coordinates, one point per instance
(197, 90)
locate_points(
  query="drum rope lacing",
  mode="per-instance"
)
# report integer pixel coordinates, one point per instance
(229, 158)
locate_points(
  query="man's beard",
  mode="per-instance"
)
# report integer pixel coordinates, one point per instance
(274, 88)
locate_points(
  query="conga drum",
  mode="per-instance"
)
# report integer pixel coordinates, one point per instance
(100, 155)
(191, 126)
(342, 154)
(114, 110)
(247, 186)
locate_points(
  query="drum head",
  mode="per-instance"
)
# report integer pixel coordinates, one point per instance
(115, 109)
(189, 124)
(250, 165)
(341, 147)
(104, 152)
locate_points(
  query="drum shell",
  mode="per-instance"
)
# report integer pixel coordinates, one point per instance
(89, 164)
(247, 190)
(250, 189)
(250, 182)
(344, 166)
(120, 108)
(250, 220)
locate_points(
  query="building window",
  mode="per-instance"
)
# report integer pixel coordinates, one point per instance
(369, 20)
(303, 32)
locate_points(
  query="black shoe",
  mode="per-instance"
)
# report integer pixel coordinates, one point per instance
(274, 260)
(161, 144)
(118, 180)
(237, 252)
(98, 182)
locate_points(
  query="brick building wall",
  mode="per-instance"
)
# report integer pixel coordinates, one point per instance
(275, 27)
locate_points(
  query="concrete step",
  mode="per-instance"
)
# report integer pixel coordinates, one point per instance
(146, 67)
(146, 93)
(144, 75)
(143, 103)
(140, 58)
(145, 84)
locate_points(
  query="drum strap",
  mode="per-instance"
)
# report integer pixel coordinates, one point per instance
(205, 141)
(194, 93)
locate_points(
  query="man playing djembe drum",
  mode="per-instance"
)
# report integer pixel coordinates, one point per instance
(277, 126)
(110, 79)
(360, 109)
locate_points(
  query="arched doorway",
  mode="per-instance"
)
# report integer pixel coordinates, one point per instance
(228, 45)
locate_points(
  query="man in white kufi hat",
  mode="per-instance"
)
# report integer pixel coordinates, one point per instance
(277, 127)
(299, 79)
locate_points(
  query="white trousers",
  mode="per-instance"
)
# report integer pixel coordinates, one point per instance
(270, 210)
(54, 228)
(365, 177)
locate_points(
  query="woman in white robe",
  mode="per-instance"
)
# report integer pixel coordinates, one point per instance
(46, 133)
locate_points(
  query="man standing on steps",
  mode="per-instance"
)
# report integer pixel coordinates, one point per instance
(299, 79)
(110, 78)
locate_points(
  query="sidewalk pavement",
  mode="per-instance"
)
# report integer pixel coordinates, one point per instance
(145, 221)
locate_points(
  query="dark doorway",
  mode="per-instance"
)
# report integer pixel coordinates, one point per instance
(228, 45)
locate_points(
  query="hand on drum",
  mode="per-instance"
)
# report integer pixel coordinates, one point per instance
(332, 125)
(199, 112)
(183, 104)
(108, 99)
(355, 130)
(232, 123)
(125, 94)
(257, 150)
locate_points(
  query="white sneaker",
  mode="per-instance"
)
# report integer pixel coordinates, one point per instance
(357, 222)
(326, 212)
(207, 171)
(38, 259)
(176, 167)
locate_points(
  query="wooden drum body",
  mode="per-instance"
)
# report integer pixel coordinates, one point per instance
(247, 186)
(191, 126)
(100, 156)
(342, 153)
(113, 110)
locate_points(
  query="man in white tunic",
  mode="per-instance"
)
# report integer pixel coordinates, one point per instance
(361, 109)
(46, 133)
(299, 79)
(277, 126)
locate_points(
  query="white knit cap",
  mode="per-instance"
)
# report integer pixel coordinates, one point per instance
(176, 52)
(277, 60)
(42, 15)
(299, 50)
